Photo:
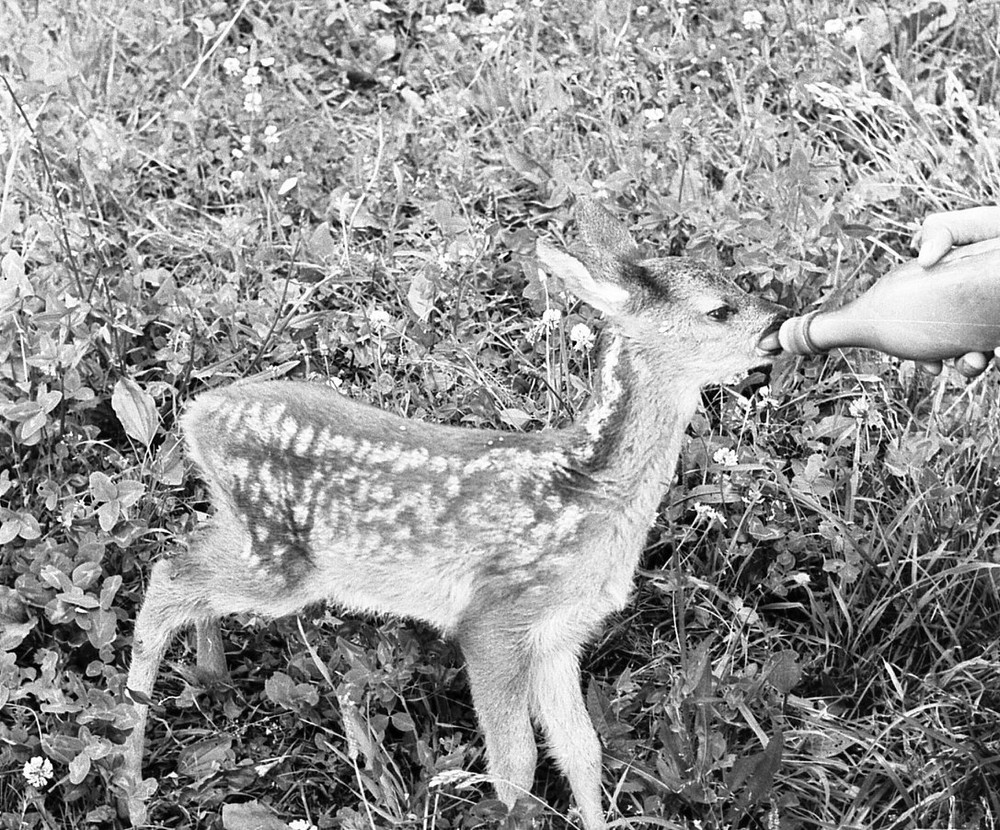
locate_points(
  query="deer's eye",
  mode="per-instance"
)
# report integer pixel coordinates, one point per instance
(722, 313)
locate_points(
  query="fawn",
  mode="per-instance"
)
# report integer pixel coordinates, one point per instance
(518, 544)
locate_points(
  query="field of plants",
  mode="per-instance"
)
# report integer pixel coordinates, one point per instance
(194, 192)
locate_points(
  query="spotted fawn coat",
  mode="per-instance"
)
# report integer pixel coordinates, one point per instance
(517, 544)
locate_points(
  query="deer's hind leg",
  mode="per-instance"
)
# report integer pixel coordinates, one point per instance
(180, 593)
(499, 666)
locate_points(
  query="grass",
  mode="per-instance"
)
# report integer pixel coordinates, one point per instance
(198, 192)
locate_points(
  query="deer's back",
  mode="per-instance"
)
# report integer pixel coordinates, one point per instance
(385, 512)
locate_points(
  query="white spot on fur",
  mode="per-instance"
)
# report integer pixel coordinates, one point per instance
(271, 418)
(238, 468)
(288, 431)
(410, 460)
(611, 392)
(300, 512)
(303, 442)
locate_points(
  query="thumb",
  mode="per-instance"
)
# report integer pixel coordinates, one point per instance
(935, 242)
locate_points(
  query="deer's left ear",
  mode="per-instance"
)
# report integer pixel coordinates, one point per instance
(602, 233)
(602, 291)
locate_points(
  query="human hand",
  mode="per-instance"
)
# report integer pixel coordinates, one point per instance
(937, 235)
(941, 231)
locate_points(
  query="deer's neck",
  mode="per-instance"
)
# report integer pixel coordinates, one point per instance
(630, 434)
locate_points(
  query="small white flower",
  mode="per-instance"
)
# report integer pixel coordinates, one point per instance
(379, 318)
(455, 8)
(854, 36)
(37, 771)
(237, 177)
(231, 66)
(865, 412)
(726, 457)
(252, 77)
(503, 17)
(246, 141)
(765, 400)
(301, 824)
(859, 408)
(642, 12)
(237, 153)
(551, 318)
(653, 114)
(834, 26)
(753, 20)
(253, 102)
(270, 134)
(704, 514)
(266, 62)
(582, 337)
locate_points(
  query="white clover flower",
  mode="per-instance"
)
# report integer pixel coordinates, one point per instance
(270, 134)
(653, 114)
(236, 153)
(237, 177)
(854, 36)
(231, 66)
(503, 17)
(379, 318)
(253, 102)
(455, 8)
(551, 318)
(753, 20)
(704, 514)
(865, 412)
(582, 337)
(765, 400)
(266, 62)
(37, 771)
(726, 457)
(859, 408)
(301, 824)
(834, 26)
(252, 77)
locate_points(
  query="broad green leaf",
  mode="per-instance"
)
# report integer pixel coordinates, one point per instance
(136, 410)
(107, 515)
(102, 488)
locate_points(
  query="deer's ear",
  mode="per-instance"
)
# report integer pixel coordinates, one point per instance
(602, 293)
(602, 233)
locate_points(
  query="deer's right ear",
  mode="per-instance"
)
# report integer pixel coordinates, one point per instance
(602, 294)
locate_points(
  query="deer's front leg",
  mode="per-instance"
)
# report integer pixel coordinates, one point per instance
(499, 668)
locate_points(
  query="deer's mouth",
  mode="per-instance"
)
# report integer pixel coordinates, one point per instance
(769, 345)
